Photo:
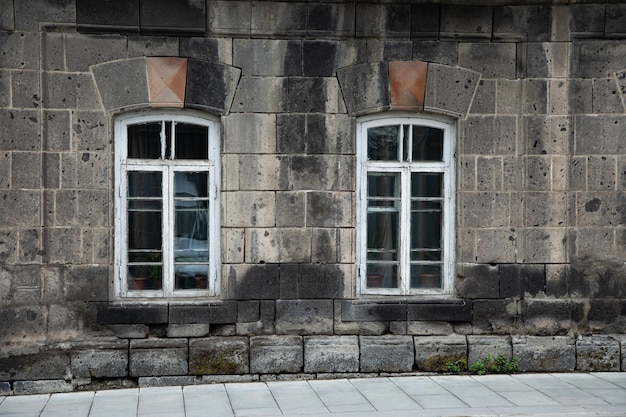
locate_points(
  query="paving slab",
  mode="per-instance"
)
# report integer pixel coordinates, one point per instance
(68, 404)
(121, 402)
(203, 400)
(296, 397)
(23, 405)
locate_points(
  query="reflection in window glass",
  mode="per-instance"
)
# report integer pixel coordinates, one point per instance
(382, 143)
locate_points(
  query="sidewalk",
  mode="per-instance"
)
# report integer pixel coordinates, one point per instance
(576, 394)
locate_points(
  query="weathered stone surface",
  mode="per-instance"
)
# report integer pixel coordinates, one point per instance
(210, 86)
(331, 354)
(219, 355)
(114, 16)
(167, 381)
(100, 360)
(390, 20)
(158, 357)
(41, 387)
(304, 316)
(261, 95)
(364, 87)
(372, 311)
(129, 331)
(480, 346)
(5, 388)
(22, 323)
(188, 330)
(132, 314)
(276, 354)
(387, 353)
(466, 22)
(546, 354)
(597, 354)
(214, 314)
(249, 209)
(158, 17)
(432, 353)
(477, 281)
(276, 18)
(310, 281)
(448, 310)
(254, 282)
(494, 316)
(122, 84)
(267, 57)
(491, 60)
(35, 366)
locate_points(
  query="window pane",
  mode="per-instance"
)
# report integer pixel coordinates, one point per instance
(426, 184)
(425, 225)
(191, 226)
(427, 144)
(381, 275)
(192, 141)
(144, 140)
(383, 143)
(426, 276)
(382, 231)
(144, 225)
(145, 277)
(144, 184)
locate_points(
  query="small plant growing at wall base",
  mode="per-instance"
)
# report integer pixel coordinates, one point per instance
(499, 364)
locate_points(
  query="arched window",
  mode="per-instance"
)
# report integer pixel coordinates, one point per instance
(166, 206)
(405, 205)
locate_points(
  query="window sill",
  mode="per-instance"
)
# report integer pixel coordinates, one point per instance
(167, 312)
(407, 309)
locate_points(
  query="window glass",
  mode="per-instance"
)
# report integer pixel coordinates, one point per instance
(166, 242)
(406, 238)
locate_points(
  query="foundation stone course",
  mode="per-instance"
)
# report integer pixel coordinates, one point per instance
(387, 353)
(276, 354)
(155, 357)
(546, 354)
(219, 355)
(597, 354)
(330, 354)
(433, 353)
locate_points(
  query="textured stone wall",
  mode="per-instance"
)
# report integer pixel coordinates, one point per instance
(538, 92)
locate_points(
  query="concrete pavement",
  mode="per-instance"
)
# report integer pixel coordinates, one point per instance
(562, 394)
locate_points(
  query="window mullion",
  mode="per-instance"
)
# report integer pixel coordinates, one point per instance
(168, 286)
(405, 230)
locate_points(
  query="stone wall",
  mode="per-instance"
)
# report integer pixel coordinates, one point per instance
(538, 94)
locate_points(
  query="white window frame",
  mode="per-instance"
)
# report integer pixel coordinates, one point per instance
(447, 167)
(123, 165)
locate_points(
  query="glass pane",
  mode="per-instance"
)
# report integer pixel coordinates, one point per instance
(382, 275)
(426, 226)
(144, 184)
(382, 143)
(406, 142)
(382, 230)
(191, 226)
(427, 144)
(144, 227)
(426, 276)
(144, 140)
(145, 277)
(192, 141)
(382, 184)
(426, 184)
(191, 277)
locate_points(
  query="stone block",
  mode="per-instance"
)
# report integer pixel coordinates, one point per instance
(547, 135)
(550, 245)
(41, 387)
(331, 354)
(119, 16)
(598, 60)
(489, 135)
(264, 57)
(262, 172)
(278, 18)
(427, 328)
(491, 60)
(324, 245)
(433, 353)
(250, 133)
(7, 19)
(466, 22)
(534, 96)
(5, 388)
(321, 58)
(233, 245)
(19, 50)
(314, 172)
(387, 353)
(188, 330)
(210, 86)
(166, 381)
(597, 354)
(484, 101)
(22, 323)
(364, 87)
(494, 316)
(477, 281)
(83, 51)
(261, 95)
(29, 13)
(100, 360)
(25, 89)
(276, 354)
(304, 316)
(306, 281)
(249, 209)
(313, 95)
(478, 347)
(517, 279)
(87, 283)
(129, 331)
(325, 19)
(158, 357)
(523, 23)
(219, 356)
(544, 354)
(19, 130)
(291, 133)
(440, 52)
(328, 209)
(373, 311)
(424, 21)
(213, 314)
(122, 84)
(494, 246)
(290, 208)
(547, 60)
(208, 49)
(263, 246)
(132, 314)
(159, 17)
(449, 311)
(388, 20)
(254, 282)
(601, 172)
(51, 364)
